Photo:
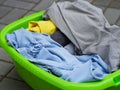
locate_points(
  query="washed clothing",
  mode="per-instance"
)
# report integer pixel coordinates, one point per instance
(44, 52)
(88, 29)
(46, 27)
(72, 49)
(59, 37)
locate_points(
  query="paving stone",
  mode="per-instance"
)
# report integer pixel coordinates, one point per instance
(31, 12)
(115, 4)
(2, 26)
(13, 15)
(112, 15)
(102, 2)
(19, 4)
(4, 10)
(1, 1)
(9, 84)
(4, 56)
(32, 1)
(44, 4)
(14, 74)
(5, 67)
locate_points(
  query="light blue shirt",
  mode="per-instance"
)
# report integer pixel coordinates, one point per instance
(44, 52)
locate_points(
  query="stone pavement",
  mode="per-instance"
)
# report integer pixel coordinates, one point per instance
(11, 10)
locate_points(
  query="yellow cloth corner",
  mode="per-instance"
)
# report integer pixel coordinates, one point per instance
(46, 27)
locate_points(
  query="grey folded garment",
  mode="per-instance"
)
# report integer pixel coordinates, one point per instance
(88, 29)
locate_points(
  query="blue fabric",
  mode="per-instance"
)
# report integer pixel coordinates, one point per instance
(44, 52)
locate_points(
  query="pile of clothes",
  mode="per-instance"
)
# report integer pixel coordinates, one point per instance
(74, 42)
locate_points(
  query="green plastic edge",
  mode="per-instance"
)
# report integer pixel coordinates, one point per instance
(110, 80)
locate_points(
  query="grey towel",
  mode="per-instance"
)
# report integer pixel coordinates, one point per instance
(88, 29)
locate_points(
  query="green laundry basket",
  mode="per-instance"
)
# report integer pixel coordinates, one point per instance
(39, 79)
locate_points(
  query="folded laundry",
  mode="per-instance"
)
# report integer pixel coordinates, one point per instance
(46, 27)
(59, 37)
(87, 28)
(44, 52)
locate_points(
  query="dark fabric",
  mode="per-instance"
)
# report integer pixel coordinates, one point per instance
(59, 37)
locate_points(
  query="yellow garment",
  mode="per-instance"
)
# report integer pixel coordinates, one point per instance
(46, 27)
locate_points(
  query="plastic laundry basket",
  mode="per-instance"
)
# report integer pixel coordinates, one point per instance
(39, 79)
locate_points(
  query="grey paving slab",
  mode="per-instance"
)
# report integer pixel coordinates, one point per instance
(32, 1)
(4, 56)
(102, 2)
(5, 67)
(115, 4)
(29, 13)
(1, 1)
(19, 4)
(2, 26)
(112, 15)
(9, 84)
(44, 4)
(4, 10)
(13, 15)
(13, 74)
